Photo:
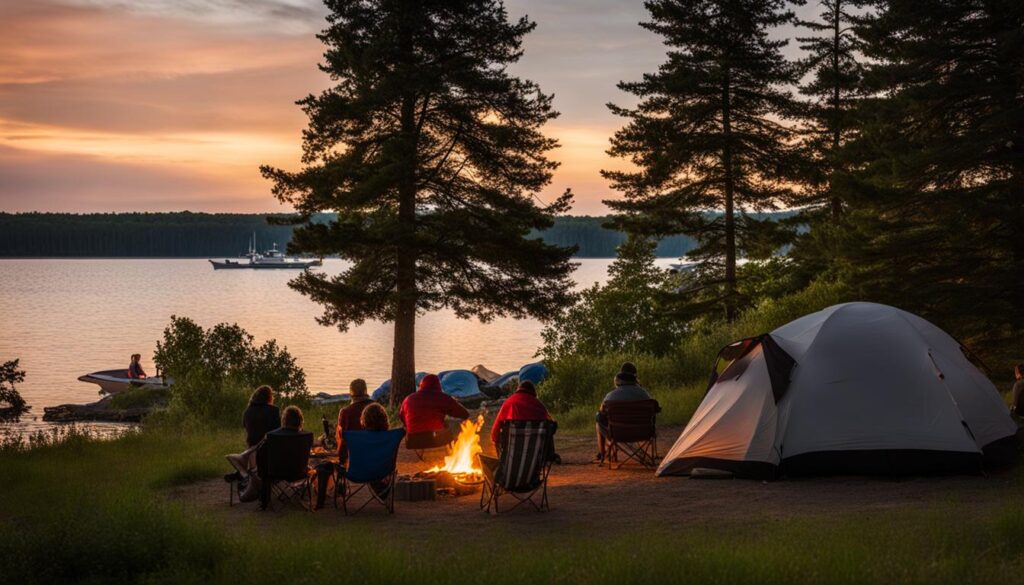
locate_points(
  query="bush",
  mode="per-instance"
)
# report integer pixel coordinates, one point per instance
(678, 378)
(624, 315)
(216, 370)
(10, 375)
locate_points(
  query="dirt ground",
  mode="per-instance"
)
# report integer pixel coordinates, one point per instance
(584, 495)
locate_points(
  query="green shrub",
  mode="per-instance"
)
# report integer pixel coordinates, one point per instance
(140, 398)
(623, 315)
(216, 370)
(678, 378)
(12, 405)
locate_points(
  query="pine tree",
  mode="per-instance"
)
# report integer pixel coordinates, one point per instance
(834, 87)
(431, 154)
(939, 227)
(708, 134)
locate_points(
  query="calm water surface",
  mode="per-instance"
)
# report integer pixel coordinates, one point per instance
(65, 318)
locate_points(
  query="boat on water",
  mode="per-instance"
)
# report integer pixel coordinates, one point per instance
(683, 265)
(272, 258)
(114, 381)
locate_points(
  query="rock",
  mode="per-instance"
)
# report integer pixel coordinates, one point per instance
(95, 412)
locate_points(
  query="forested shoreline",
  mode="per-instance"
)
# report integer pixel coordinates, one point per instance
(188, 235)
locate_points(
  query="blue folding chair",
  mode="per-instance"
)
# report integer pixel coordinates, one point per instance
(372, 464)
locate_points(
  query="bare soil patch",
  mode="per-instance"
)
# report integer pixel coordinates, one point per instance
(586, 497)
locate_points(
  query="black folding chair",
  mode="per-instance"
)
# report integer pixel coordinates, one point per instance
(372, 464)
(630, 431)
(424, 441)
(285, 469)
(521, 470)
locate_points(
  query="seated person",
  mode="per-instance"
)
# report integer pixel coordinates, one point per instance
(627, 389)
(1017, 406)
(375, 418)
(349, 418)
(259, 418)
(135, 370)
(522, 405)
(291, 424)
(424, 411)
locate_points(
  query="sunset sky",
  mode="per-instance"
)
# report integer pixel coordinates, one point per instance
(159, 105)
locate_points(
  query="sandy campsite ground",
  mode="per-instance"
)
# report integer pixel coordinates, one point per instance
(584, 496)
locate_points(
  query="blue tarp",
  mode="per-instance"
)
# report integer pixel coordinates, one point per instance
(460, 383)
(503, 379)
(381, 393)
(535, 372)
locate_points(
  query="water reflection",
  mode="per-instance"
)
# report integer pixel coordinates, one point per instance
(64, 318)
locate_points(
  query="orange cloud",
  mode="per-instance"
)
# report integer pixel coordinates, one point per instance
(160, 104)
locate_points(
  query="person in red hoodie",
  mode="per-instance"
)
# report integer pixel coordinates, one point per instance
(522, 405)
(424, 411)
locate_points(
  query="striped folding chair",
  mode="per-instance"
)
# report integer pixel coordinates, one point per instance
(521, 471)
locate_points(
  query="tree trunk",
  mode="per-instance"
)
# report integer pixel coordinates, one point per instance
(403, 359)
(730, 220)
(836, 202)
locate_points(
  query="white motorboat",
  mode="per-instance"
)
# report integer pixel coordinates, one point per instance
(114, 381)
(272, 258)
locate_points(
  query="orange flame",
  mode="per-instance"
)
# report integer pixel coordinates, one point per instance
(462, 461)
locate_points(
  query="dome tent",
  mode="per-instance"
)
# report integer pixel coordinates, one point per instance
(854, 388)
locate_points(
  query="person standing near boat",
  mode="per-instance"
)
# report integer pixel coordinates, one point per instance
(135, 370)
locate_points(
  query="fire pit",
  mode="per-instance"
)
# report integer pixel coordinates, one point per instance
(460, 475)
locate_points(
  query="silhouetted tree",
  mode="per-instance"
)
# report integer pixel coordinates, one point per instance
(431, 154)
(832, 60)
(939, 219)
(708, 133)
(12, 405)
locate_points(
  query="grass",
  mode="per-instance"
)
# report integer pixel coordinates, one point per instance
(98, 512)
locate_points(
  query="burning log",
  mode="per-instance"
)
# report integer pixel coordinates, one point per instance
(462, 465)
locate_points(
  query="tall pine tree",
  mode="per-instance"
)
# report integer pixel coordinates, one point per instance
(834, 87)
(940, 218)
(707, 138)
(431, 154)
(833, 72)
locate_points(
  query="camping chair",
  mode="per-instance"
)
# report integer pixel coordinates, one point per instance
(426, 440)
(285, 472)
(372, 464)
(523, 466)
(631, 431)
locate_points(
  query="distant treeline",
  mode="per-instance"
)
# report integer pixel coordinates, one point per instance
(187, 234)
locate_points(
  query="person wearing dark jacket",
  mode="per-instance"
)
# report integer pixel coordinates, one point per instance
(1017, 406)
(291, 424)
(425, 410)
(259, 418)
(627, 389)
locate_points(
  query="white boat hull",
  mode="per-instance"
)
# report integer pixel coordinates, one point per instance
(114, 381)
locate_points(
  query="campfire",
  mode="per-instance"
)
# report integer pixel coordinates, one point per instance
(462, 464)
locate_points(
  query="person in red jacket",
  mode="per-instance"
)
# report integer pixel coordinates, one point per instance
(522, 405)
(424, 411)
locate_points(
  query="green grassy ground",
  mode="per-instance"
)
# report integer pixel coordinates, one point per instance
(100, 513)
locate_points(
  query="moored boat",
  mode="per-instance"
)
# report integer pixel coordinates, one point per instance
(272, 258)
(114, 381)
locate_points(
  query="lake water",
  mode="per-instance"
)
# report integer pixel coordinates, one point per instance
(65, 318)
